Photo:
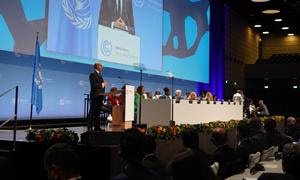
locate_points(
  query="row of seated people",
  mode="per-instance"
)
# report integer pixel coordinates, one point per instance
(138, 152)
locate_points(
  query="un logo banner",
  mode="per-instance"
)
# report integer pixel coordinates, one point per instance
(106, 47)
(78, 12)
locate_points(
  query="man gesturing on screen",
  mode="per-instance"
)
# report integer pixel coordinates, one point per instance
(98, 86)
(117, 14)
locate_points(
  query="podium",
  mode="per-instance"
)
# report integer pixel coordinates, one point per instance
(123, 115)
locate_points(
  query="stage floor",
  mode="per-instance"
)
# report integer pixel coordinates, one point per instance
(21, 134)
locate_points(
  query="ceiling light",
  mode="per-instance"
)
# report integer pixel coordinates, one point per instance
(278, 20)
(291, 34)
(285, 28)
(260, 0)
(271, 11)
(266, 32)
(257, 25)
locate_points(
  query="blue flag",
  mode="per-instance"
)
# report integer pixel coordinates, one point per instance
(36, 92)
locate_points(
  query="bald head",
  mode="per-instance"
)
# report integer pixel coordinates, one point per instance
(219, 136)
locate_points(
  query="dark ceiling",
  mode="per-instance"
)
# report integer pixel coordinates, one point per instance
(252, 12)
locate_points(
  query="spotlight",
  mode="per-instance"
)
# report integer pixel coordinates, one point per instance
(277, 20)
(295, 87)
(271, 11)
(291, 34)
(266, 32)
(285, 28)
(266, 87)
(259, 1)
(257, 25)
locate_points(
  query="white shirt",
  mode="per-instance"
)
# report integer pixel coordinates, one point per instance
(238, 98)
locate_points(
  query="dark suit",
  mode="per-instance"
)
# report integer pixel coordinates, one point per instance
(153, 163)
(229, 162)
(261, 140)
(110, 12)
(245, 148)
(136, 171)
(96, 81)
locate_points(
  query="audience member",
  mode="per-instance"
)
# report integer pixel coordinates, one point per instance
(290, 164)
(133, 145)
(150, 160)
(291, 159)
(191, 163)
(62, 162)
(258, 135)
(292, 129)
(167, 94)
(229, 162)
(275, 138)
(262, 109)
(246, 146)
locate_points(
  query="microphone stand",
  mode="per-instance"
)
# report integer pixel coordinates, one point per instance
(172, 87)
(140, 100)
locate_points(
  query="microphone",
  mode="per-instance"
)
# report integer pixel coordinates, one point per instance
(121, 80)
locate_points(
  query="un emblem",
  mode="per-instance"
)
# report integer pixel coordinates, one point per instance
(139, 3)
(78, 12)
(106, 47)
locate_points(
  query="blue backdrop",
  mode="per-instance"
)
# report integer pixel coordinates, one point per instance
(66, 79)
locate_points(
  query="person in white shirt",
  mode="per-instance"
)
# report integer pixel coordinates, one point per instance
(238, 97)
(156, 95)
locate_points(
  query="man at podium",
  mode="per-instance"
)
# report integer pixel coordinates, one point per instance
(98, 86)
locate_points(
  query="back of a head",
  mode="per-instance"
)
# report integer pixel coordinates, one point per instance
(244, 129)
(191, 165)
(64, 157)
(219, 136)
(190, 139)
(132, 145)
(256, 125)
(270, 125)
(291, 159)
(291, 121)
(150, 144)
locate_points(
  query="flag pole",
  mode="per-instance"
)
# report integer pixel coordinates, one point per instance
(30, 120)
(31, 107)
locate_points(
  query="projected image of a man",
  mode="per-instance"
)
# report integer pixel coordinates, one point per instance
(117, 14)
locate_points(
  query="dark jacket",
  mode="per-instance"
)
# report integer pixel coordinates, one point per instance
(96, 81)
(229, 161)
(136, 171)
